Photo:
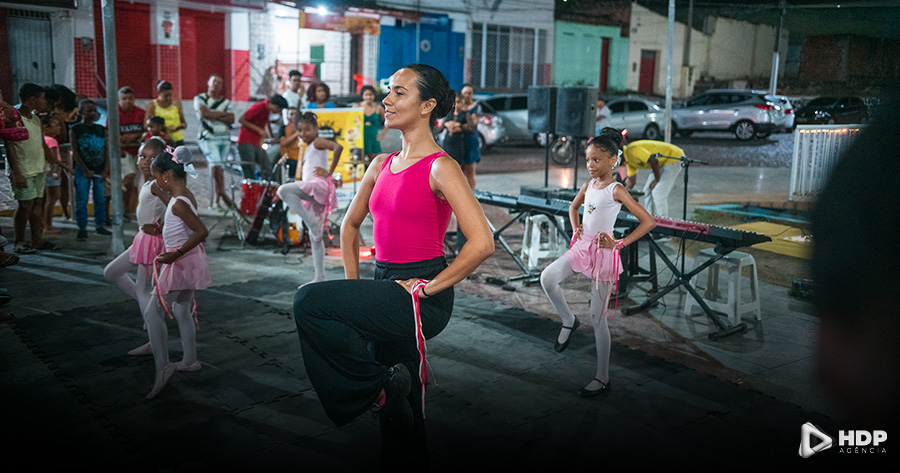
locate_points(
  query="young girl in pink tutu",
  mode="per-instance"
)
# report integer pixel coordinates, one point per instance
(313, 197)
(179, 271)
(593, 251)
(148, 243)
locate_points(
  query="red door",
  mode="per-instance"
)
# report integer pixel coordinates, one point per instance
(647, 72)
(202, 50)
(604, 65)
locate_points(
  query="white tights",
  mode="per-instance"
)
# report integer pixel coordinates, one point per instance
(294, 196)
(140, 289)
(182, 303)
(551, 278)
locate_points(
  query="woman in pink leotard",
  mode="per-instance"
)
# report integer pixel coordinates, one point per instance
(411, 195)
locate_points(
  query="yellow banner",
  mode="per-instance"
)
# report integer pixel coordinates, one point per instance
(345, 126)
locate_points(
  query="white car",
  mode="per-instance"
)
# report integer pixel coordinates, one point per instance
(642, 118)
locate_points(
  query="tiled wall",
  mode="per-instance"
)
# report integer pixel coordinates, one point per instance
(166, 64)
(85, 68)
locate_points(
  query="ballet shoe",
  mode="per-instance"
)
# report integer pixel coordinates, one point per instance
(142, 350)
(182, 366)
(162, 377)
(559, 347)
(604, 388)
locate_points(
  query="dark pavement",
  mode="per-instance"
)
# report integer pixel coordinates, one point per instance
(503, 399)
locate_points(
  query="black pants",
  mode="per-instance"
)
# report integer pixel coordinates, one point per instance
(335, 322)
(251, 157)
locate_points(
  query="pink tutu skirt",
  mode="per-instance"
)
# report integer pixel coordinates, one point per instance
(188, 272)
(145, 248)
(599, 264)
(322, 190)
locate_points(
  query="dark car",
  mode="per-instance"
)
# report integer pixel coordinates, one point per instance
(833, 110)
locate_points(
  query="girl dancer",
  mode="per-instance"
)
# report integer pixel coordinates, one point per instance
(178, 272)
(411, 194)
(593, 251)
(148, 243)
(313, 197)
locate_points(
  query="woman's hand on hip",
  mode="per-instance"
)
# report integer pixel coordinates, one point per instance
(408, 284)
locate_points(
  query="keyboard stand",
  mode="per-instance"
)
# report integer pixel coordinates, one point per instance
(529, 276)
(681, 279)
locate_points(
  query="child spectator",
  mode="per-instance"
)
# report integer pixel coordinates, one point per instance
(50, 128)
(318, 96)
(28, 161)
(156, 126)
(91, 168)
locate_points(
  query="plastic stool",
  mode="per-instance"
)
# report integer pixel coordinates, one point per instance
(534, 247)
(734, 307)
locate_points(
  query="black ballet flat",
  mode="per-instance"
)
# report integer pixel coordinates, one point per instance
(559, 347)
(584, 392)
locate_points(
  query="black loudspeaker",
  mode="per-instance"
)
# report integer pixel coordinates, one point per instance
(541, 109)
(576, 111)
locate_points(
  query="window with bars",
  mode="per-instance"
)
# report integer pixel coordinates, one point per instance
(503, 57)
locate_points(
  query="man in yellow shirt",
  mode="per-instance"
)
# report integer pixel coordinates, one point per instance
(649, 154)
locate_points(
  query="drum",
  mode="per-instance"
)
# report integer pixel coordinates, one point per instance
(252, 192)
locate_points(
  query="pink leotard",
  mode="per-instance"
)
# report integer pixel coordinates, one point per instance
(409, 220)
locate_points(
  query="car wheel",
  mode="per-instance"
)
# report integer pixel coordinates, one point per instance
(744, 130)
(562, 151)
(683, 133)
(652, 132)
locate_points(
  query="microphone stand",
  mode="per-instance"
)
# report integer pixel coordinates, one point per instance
(686, 164)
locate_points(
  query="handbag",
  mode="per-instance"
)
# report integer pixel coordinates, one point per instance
(18, 133)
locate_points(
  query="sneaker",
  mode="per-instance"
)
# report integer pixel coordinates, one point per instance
(397, 384)
(82, 235)
(103, 231)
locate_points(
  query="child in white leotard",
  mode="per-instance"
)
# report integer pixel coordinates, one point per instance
(178, 272)
(593, 251)
(148, 243)
(313, 197)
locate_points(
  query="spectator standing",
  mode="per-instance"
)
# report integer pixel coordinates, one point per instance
(169, 109)
(473, 146)
(62, 114)
(52, 182)
(373, 122)
(318, 96)
(28, 162)
(295, 95)
(216, 119)
(254, 130)
(91, 168)
(603, 112)
(131, 129)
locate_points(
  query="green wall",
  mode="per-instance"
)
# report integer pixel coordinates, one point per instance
(576, 57)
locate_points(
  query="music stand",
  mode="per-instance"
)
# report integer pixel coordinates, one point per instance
(686, 164)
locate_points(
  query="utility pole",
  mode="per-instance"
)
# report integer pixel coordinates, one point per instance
(670, 41)
(116, 245)
(776, 60)
(686, 54)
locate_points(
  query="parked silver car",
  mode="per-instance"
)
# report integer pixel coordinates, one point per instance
(745, 113)
(513, 110)
(642, 118)
(491, 128)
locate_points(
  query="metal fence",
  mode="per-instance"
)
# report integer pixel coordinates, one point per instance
(507, 58)
(816, 150)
